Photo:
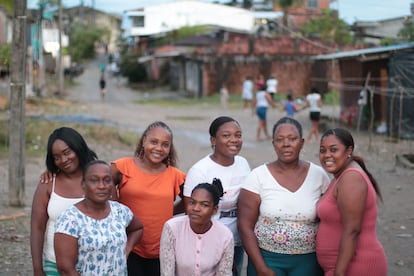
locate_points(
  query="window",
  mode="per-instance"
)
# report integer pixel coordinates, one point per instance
(312, 4)
(138, 21)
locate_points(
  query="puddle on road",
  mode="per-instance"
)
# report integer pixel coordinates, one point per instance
(83, 119)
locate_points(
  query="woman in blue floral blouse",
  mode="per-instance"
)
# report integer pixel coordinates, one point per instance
(95, 236)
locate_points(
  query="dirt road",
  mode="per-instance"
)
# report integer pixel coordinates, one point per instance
(190, 127)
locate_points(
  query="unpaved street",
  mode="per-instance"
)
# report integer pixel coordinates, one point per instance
(190, 127)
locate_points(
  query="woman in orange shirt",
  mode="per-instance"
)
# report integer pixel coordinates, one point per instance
(148, 184)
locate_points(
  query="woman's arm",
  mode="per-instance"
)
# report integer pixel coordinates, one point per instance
(225, 266)
(351, 197)
(38, 221)
(66, 251)
(270, 100)
(248, 213)
(116, 178)
(167, 252)
(180, 204)
(135, 231)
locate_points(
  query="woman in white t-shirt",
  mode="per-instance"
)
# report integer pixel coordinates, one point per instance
(314, 102)
(277, 208)
(224, 164)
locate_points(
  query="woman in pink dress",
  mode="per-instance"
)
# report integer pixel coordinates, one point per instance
(346, 242)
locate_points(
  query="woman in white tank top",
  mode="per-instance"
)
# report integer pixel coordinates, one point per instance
(67, 155)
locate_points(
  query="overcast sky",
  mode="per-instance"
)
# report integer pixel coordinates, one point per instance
(349, 10)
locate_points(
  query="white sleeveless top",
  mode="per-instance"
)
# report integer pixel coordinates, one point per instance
(261, 99)
(57, 204)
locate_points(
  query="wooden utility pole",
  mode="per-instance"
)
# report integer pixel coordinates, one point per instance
(17, 106)
(59, 60)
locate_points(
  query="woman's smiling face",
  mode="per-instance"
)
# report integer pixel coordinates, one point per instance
(64, 157)
(157, 145)
(333, 155)
(228, 140)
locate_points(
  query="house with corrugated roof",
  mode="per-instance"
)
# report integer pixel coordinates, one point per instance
(385, 74)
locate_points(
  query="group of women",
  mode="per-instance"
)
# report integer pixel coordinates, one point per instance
(287, 215)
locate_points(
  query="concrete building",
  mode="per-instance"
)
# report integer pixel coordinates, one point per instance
(5, 26)
(161, 18)
(372, 32)
(99, 19)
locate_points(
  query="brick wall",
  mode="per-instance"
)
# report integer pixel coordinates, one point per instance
(284, 57)
(291, 75)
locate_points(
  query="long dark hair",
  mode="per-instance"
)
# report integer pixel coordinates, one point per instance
(345, 137)
(75, 142)
(171, 159)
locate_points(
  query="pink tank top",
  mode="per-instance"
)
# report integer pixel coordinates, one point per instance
(369, 257)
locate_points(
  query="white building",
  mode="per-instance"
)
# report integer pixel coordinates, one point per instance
(166, 17)
(374, 31)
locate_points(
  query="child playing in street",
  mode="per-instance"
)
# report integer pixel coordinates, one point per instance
(290, 106)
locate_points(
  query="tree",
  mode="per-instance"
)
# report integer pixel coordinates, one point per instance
(329, 27)
(286, 5)
(82, 41)
(8, 5)
(407, 32)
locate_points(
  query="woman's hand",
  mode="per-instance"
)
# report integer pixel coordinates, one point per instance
(46, 177)
(266, 272)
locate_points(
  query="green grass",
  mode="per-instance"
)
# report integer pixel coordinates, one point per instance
(38, 131)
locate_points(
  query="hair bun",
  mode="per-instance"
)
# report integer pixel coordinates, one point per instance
(217, 183)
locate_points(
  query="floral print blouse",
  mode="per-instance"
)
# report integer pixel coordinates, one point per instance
(101, 243)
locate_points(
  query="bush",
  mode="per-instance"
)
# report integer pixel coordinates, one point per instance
(5, 54)
(5, 57)
(132, 70)
(331, 98)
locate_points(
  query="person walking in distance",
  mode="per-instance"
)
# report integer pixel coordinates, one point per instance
(290, 106)
(271, 84)
(247, 93)
(261, 103)
(102, 85)
(314, 102)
